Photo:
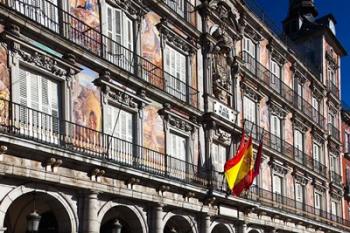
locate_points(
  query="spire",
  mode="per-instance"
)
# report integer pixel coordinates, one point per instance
(302, 8)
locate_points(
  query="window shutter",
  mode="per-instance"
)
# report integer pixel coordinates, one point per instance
(34, 91)
(108, 120)
(118, 26)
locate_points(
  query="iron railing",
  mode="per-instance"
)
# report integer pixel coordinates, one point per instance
(276, 85)
(335, 177)
(60, 22)
(184, 9)
(303, 53)
(24, 122)
(332, 87)
(28, 123)
(334, 132)
(284, 148)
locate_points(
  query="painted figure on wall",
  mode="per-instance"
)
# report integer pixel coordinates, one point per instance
(4, 84)
(153, 129)
(87, 11)
(151, 48)
(86, 107)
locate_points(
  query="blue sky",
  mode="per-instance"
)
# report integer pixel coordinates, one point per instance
(277, 10)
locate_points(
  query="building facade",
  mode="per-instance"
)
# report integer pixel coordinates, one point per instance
(119, 115)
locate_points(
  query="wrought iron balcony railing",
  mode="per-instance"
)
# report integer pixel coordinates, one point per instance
(276, 85)
(335, 177)
(183, 8)
(333, 132)
(67, 26)
(332, 88)
(289, 205)
(284, 148)
(20, 121)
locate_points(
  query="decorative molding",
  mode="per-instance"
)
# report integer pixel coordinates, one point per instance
(176, 121)
(276, 109)
(297, 124)
(168, 35)
(250, 92)
(135, 7)
(336, 193)
(318, 138)
(252, 33)
(123, 98)
(275, 54)
(319, 186)
(300, 177)
(278, 167)
(222, 136)
(334, 148)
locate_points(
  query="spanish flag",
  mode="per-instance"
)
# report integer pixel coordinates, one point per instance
(232, 166)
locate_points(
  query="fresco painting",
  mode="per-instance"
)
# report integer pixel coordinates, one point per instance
(153, 129)
(86, 11)
(86, 102)
(4, 84)
(151, 49)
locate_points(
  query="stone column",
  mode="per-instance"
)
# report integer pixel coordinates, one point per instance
(90, 221)
(205, 224)
(2, 230)
(158, 212)
(244, 228)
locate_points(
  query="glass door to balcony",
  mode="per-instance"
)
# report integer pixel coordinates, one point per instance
(275, 81)
(44, 12)
(298, 96)
(249, 54)
(276, 133)
(315, 110)
(120, 39)
(36, 108)
(176, 162)
(177, 5)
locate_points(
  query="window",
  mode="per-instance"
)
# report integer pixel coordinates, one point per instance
(276, 132)
(175, 65)
(315, 110)
(347, 182)
(249, 46)
(299, 195)
(177, 149)
(119, 29)
(299, 145)
(38, 97)
(347, 142)
(334, 210)
(177, 6)
(332, 76)
(276, 76)
(316, 151)
(249, 54)
(298, 89)
(249, 109)
(277, 188)
(218, 156)
(333, 163)
(318, 201)
(119, 123)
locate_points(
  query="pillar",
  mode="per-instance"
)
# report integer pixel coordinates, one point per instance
(158, 215)
(205, 224)
(90, 220)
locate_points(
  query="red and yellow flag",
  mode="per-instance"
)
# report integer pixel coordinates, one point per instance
(241, 170)
(232, 166)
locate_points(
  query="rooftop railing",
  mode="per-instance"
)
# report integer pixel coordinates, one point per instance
(23, 122)
(284, 148)
(66, 25)
(276, 85)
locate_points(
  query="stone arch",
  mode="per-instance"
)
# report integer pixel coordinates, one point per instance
(253, 230)
(182, 218)
(221, 228)
(134, 210)
(51, 192)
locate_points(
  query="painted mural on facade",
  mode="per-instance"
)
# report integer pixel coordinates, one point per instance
(153, 129)
(86, 11)
(4, 82)
(86, 103)
(151, 48)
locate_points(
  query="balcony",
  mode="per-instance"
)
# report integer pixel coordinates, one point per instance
(334, 132)
(72, 29)
(184, 9)
(289, 205)
(335, 177)
(273, 83)
(23, 122)
(333, 89)
(286, 149)
(347, 190)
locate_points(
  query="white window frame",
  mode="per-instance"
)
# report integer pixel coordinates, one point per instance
(250, 112)
(299, 192)
(250, 47)
(276, 70)
(219, 156)
(346, 142)
(175, 64)
(120, 28)
(178, 161)
(316, 152)
(299, 140)
(274, 183)
(276, 131)
(316, 109)
(318, 202)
